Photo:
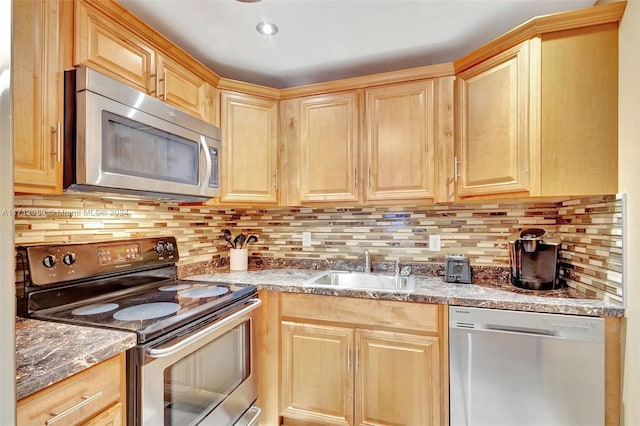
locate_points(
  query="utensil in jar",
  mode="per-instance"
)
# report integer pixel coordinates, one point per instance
(251, 239)
(227, 237)
(238, 240)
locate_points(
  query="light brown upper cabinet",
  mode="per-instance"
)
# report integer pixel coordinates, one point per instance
(183, 89)
(41, 39)
(493, 153)
(540, 118)
(110, 47)
(404, 146)
(104, 45)
(249, 149)
(381, 144)
(325, 139)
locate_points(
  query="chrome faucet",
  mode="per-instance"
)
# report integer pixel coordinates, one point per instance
(396, 267)
(367, 261)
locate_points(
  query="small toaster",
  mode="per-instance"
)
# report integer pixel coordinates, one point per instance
(457, 269)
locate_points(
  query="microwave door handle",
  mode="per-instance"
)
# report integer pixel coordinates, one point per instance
(162, 352)
(207, 172)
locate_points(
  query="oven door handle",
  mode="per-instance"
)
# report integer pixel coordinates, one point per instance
(168, 351)
(250, 417)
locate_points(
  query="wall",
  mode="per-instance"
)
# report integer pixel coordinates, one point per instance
(629, 176)
(76, 218)
(7, 287)
(590, 228)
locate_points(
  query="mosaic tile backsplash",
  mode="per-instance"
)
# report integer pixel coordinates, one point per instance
(591, 230)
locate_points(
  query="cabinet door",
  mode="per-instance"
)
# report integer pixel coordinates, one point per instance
(183, 89)
(317, 376)
(397, 379)
(329, 140)
(401, 140)
(38, 94)
(493, 142)
(102, 44)
(249, 149)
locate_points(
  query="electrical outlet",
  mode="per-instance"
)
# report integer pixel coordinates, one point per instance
(434, 242)
(306, 239)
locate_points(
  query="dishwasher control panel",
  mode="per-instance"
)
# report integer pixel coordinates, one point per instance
(532, 323)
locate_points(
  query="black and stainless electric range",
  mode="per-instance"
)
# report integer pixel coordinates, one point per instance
(194, 362)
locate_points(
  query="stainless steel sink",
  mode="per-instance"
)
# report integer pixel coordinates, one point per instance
(362, 280)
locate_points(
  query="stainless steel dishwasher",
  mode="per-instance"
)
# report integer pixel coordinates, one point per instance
(521, 368)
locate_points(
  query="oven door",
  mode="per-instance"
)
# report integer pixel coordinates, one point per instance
(206, 376)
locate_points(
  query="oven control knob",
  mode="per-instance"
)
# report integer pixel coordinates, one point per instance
(69, 259)
(159, 248)
(49, 261)
(169, 247)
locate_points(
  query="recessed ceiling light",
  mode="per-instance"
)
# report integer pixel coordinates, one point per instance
(266, 28)
(248, 1)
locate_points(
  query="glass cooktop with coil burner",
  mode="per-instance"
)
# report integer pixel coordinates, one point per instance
(135, 288)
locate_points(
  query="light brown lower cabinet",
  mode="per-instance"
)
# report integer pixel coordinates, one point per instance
(346, 361)
(317, 372)
(93, 397)
(397, 378)
(112, 416)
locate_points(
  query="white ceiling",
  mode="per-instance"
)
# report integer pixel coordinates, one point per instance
(322, 40)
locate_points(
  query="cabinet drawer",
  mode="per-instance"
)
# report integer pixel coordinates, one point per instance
(369, 312)
(90, 392)
(112, 416)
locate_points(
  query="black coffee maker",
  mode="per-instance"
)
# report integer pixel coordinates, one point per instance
(533, 255)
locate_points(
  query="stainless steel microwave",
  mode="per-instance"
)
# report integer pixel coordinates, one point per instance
(118, 139)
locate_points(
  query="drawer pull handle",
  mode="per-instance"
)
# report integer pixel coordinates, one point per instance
(85, 401)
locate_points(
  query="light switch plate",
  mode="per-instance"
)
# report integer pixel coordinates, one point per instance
(306, 239)
(434, 243)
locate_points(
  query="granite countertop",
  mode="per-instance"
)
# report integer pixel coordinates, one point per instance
(47, 352)
(431, 290)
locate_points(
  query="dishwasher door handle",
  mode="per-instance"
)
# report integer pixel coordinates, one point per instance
(512, 330)
(522, 331)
